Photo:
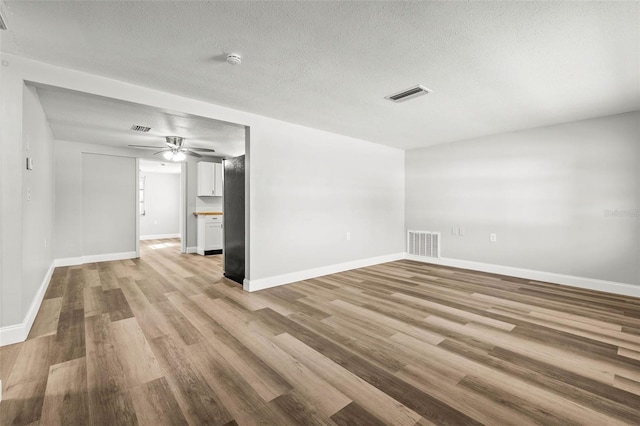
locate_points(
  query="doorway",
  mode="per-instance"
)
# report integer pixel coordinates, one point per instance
(160, 206)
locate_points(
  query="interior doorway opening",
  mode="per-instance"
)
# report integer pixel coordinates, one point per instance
(161, 206)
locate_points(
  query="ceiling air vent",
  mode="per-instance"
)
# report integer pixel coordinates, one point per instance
(410, 93)
(142, 129)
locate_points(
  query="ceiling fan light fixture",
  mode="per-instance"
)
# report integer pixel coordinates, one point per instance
(179, 156)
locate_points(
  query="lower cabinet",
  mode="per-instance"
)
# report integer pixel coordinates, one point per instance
(209, 234)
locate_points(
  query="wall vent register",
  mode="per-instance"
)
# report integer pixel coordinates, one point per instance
(423, 244)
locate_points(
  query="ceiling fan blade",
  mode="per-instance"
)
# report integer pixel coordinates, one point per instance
(164, 150)
(202, 149)
(192, 154)
(146, 146)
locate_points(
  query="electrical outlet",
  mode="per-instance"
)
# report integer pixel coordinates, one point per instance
(28, 194)
(493, 238)
(348, 236)
(461, 232)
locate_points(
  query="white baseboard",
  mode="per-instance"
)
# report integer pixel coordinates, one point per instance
(18, 332)
(192, 249)
(550, 277)
(72, 261)
(68, 261)
(109, 257)
(263, 283)
(158, 236)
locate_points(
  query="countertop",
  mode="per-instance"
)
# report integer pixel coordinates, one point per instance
(207, 213)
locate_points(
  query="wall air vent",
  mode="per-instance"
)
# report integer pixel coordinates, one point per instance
(142, 129)
(410, 93)
(423, 244)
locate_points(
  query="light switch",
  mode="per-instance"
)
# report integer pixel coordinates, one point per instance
(493, 238)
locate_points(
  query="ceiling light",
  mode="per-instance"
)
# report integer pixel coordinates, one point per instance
(179, 156)
(168, 155)
(234, 59)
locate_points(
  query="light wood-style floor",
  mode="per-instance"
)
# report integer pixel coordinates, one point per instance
(166, 340)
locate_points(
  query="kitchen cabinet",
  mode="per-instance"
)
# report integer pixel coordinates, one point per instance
(209, 234)
(209, 179)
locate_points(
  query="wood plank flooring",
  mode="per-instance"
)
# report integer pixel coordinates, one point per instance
(165, 339)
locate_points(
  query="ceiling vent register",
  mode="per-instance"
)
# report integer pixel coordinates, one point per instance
(423, 244)
(142, 129)
(408, 94)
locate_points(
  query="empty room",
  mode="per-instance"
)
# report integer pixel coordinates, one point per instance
(319, 213)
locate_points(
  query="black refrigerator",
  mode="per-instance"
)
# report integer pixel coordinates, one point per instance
(234, 216)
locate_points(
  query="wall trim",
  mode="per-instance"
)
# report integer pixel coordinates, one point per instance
(72, 261)
(623, 289)
(277, 280)
(192, 250)
(158, 236)
(68, 261)
(17, 333)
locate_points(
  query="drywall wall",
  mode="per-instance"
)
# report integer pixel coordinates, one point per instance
(332, 160)
(37, 200)
(310, 188)
(11, 100)
(69, 201)
(108, 204)
(209, 204)
(161, 204)
(561, 199)
(279, 205)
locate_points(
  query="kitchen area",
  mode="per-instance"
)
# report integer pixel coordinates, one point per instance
(220, 213)
(209, 208)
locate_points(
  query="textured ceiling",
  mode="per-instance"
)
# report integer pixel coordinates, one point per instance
(492, 66)
(160, 167)
(81, 117)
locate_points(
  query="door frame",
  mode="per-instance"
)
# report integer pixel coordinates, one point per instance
(182, 219)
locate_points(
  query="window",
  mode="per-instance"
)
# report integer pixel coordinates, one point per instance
(141, 191)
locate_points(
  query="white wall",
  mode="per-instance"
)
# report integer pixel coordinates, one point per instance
(162, 204)
(37, 212)
(69, 201)
(544, 192)
(290, 157)
(309, 188)
(208, 204)
(109, 211)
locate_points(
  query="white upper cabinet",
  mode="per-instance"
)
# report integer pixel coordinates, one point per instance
(209, 179)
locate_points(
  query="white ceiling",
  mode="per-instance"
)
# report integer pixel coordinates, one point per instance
(159, 167)
(81, 117)
(492, 66)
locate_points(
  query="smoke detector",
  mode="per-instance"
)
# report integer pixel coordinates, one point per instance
(234, 59)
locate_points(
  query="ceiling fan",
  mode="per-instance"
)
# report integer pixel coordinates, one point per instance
(176, 149)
